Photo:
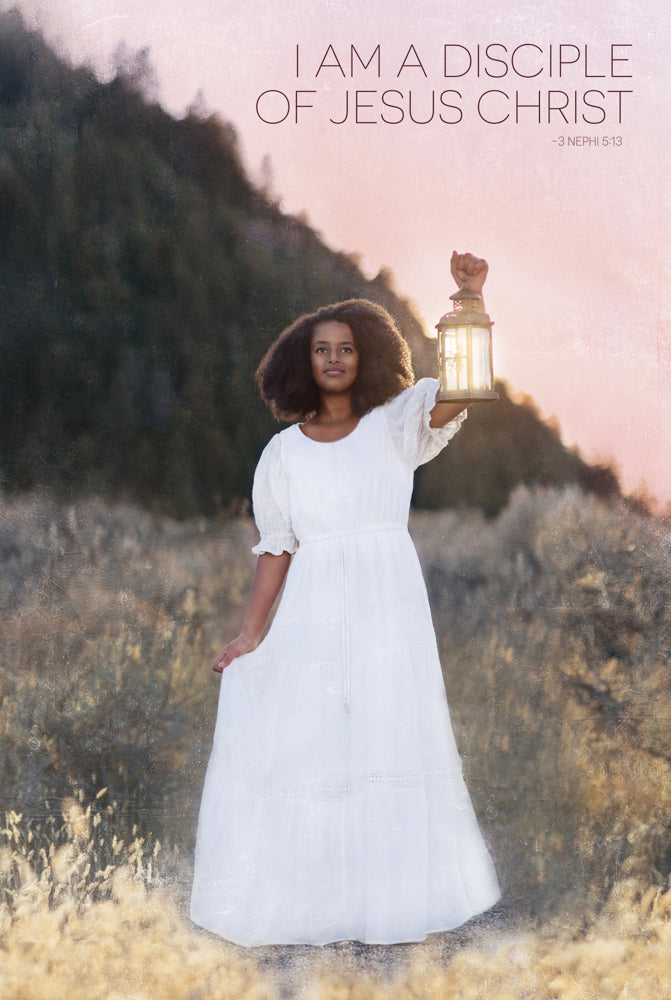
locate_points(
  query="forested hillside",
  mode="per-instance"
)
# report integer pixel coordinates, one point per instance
(142, 276)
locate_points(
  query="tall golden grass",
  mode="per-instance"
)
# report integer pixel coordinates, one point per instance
(75, 932)
(71, 928)
(554, 624)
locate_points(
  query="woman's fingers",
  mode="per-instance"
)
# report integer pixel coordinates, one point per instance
(225, 656)
(220, 662)
(238, 647)
(466, 265)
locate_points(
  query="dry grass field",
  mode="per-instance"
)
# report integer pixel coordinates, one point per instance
(554, 622)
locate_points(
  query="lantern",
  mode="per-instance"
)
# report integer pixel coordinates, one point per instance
(465, 350)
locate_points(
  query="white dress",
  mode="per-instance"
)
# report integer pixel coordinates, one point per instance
(334, 806)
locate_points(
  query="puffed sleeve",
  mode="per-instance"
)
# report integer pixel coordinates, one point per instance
(408, 416)
(270, 502)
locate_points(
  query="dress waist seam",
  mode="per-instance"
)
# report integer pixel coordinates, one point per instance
(372, 529)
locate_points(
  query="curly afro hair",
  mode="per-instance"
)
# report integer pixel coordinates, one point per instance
(284, 376)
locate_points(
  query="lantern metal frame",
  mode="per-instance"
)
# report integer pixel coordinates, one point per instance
(466, 317)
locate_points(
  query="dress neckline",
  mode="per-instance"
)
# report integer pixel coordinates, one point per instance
(302, 433)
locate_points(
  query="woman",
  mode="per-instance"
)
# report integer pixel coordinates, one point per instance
(334, 806)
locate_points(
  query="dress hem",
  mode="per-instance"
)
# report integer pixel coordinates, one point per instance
(446, 928)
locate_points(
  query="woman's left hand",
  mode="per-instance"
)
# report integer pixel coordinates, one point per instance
(468, 267)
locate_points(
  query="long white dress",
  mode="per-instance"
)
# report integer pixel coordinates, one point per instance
(334, 806)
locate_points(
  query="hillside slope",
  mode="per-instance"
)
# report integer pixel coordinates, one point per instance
(142, 277)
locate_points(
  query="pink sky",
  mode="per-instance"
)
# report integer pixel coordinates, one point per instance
(578, 238)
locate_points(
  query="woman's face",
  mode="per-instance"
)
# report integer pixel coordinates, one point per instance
(334, 357)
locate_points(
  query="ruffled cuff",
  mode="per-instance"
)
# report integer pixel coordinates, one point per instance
(275, 545)
(440, 434)
(408, 416)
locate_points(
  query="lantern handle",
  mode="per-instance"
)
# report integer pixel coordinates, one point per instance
(466, 292)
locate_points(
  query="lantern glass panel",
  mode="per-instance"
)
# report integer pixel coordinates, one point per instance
(454, 359)
(481, 373)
